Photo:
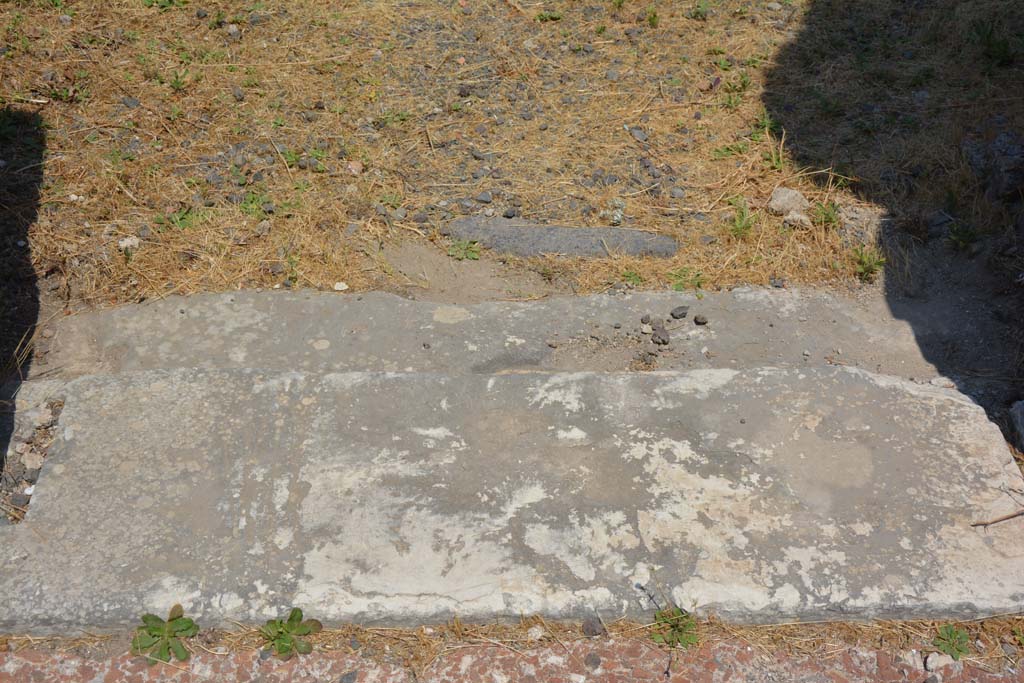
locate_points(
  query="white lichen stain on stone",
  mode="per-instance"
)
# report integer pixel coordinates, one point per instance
(861, 528)
(283, 537)
(815, 566)
(281, 493)
(433, 432)
(571, 434)
(694, 382)
(599, 542)
(229, 603)
(564, 390)
(521, 498)
(172, 590)
(514, 341)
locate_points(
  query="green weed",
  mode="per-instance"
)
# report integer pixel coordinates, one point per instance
(826, 214)
(284, 637)
(675, 628)
(684, 278)
(464, 250)
(868, 262)
(157, 640)
(951, 641)
(742, 218)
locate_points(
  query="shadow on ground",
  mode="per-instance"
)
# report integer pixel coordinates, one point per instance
(919, 104)
(22, 144)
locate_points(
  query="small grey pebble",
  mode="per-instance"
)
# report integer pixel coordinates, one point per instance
(617, 326)
(646, 319)
(677, 193)
(638, 134)
(349, 677)
(201, 14)
(592, 660)
(485, 197)
(708, 239)
(700, 319)
(593, 627)
(237, 93)
(646, 329)
(511, 212)
(268, 207)
(679, 312)
(19, 499)
(660, 336)
(130, 102)
(420, 217)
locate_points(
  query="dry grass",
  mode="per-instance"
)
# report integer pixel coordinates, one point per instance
(418, 648)
(387, 102)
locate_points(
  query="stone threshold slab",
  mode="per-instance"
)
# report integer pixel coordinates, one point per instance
(328, 332)
(761, 494)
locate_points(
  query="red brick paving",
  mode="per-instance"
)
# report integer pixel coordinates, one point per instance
(596, 661)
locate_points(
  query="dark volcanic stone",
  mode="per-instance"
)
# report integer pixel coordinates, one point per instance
(524, 238)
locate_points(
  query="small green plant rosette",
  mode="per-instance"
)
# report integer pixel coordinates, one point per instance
(285, 638)
(158, 639)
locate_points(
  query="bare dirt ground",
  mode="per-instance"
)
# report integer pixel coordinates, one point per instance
(210, 145)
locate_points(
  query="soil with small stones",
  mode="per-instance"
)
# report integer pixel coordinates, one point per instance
(24, 460)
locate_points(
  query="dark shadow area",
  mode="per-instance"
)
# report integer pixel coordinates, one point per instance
(22, 145)
(919, 104)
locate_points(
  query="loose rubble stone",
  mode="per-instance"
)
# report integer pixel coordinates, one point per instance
(592, 627)
(524, 238)
(700, 319)
(785, 201)
(680, 312)
(795, 220)
(937, 660)
(639, 134)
